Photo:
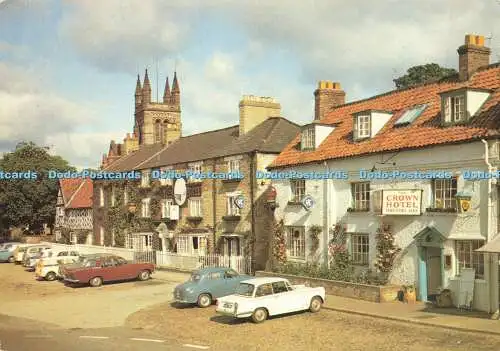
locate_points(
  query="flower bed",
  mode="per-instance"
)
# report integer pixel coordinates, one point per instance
(373, 293)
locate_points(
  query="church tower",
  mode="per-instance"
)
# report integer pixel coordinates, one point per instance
(157, 122)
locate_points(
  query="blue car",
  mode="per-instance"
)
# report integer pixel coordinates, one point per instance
(7, 252)
(208, 284)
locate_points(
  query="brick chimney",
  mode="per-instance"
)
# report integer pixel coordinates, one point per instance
(255, 109)
(327, 96)
(472, 55)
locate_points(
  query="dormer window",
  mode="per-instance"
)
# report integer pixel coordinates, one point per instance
(368, 123)
(363, 126)
(459, 106)
(454, 109)
(307, 138)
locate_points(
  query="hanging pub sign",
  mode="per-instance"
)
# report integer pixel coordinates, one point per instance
(463, 201)
(239, 201)
(308, 202)
(402, 202)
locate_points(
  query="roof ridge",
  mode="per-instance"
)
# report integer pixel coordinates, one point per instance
(76, 191)
(209, 131)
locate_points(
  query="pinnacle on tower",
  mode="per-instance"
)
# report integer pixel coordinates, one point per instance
(146, 89)
(176, 93)
(166, 95)
(138, 91)
(175, 85)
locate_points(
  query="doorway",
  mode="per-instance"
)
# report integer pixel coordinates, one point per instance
(433, 261)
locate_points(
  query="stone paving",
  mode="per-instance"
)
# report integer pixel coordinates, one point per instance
(418, 313)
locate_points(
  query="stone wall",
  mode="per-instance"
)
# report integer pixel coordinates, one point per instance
(370, 293)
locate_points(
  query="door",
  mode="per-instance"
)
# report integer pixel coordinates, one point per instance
(231, 280)
(285, 301)
(433, 260)
(265, 298)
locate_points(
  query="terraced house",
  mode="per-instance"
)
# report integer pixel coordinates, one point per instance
(442, 225)
(224, 216)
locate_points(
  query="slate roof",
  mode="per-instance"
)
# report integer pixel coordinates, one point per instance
(77, 193)
(425, 131)
(271, 136)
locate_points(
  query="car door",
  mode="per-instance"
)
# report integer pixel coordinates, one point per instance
(285, 300)
(265, 298)
(107, 269)
(231, 281)
(215, 284)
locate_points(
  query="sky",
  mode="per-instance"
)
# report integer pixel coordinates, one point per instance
(68, 68)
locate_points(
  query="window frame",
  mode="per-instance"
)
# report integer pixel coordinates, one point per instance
(296, 247)
(467, 257)
(364, 202)
(363, 124)
(233, 165)
(145, 179)
(296, 186)
(359, 250)
(308, 137)
(444, 189)
(197, 211)
(146, 208)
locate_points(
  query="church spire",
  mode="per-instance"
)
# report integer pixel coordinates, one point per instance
(138, 91)
(176, 93)
(166, 95)
(146, 89)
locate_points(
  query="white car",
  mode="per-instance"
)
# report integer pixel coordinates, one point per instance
(260, 298)
(48, 265)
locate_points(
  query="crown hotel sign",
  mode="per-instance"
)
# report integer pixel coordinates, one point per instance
(402, 202)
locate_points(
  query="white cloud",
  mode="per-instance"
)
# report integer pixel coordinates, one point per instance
(29, 113)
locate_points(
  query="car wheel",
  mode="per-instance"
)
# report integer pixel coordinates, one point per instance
(50, 276)
(259, 315)
(95, 282)
(204, 300)
(144, 275)
(315, 305)
(11, 259)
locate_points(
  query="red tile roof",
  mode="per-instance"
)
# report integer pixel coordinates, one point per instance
(78, 192)
(423, 132)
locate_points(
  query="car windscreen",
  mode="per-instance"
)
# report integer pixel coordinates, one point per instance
(245, 289)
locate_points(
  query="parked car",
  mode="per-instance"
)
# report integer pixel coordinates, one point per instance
(207, 285)
(50, 261)
(260, 298)
(7, 252)
(100, 268)
(31, 255)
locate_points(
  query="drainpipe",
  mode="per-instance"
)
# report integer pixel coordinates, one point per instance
(490, 168)
(253, 186)
(493, 279)
(326, 213)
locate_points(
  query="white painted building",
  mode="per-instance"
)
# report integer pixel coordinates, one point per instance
(447, 126)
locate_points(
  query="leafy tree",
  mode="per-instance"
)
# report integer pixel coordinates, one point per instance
(428, 73)
(30, 202)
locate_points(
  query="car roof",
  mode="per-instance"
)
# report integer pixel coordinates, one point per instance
(264, 280)
(207, 270)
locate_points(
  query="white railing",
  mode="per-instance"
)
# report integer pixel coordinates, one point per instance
(241, 264)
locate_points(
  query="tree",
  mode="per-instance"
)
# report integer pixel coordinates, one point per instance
(428, 73)
(30, 202)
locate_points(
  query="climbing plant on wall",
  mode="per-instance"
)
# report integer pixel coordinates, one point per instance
(279, 247)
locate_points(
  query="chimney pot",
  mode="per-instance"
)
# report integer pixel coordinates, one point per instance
(472, 55)
(328, 95)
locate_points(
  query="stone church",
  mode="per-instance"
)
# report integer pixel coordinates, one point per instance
(154, 122)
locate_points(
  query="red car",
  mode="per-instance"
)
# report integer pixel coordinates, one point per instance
(99, 268)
